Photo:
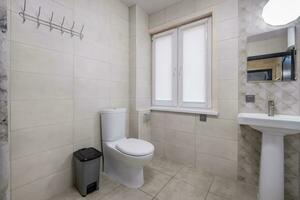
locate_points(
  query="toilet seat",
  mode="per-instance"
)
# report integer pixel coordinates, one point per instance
(135, 147)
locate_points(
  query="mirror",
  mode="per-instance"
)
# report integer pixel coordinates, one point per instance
(271, 56)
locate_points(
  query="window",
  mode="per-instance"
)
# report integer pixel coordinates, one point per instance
(182, 66)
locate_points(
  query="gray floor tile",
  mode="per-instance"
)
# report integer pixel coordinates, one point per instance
(180, 190)
(196, 177)
(154, 181)
(123, 193)
(233, 189)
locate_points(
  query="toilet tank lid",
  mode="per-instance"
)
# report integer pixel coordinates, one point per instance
(113, 110)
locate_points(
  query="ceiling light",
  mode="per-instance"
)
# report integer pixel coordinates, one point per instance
(281, 12)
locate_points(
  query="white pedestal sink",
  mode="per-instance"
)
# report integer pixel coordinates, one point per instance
(271, 180)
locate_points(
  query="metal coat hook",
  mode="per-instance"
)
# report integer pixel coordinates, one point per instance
(38, 17)
(72, 34)
(23, 11)
(81, 35)
(61, 26)
(50, 22)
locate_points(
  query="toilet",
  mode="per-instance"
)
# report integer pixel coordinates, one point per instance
(124, 158)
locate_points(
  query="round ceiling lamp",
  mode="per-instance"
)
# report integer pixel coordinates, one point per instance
(281, 12)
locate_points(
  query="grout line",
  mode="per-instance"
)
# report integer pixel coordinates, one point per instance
(163, 187)
(145, 192)
(210, 187)
(43, 177)
(40, 152)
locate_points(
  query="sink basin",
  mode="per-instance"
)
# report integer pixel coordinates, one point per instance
(278, 124)
(271, 180)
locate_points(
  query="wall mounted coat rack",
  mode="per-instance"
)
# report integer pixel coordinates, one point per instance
(49, 23)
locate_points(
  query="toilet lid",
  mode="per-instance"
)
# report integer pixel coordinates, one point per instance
(135, 147)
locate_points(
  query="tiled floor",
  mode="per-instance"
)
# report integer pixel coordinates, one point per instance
(165, 180)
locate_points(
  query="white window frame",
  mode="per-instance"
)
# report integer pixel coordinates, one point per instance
(177, 63)
(208, 78)
(173, 102)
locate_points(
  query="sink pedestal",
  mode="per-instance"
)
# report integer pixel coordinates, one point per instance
(274, 128)
(271, 180)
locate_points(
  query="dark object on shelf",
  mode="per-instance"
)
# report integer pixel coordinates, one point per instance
(86, 170)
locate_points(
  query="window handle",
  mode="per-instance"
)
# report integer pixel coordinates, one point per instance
(180, 71)
(174, 71)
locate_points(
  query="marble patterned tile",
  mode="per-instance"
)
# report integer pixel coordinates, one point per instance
(4, 145)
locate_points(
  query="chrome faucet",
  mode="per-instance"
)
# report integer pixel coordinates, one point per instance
(271, 108)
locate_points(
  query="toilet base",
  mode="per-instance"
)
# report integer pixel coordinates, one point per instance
(124, 174)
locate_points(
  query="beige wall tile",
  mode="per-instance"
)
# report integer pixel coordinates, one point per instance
(202, 4)
(85, 108)
(34, 140)
(119, 90)
(33, 86)
(226, 10)
(87, 88)
(157, 18)
(218, 128)
(27, 58)
(28, 169)
(184, 155)
(217, 147)
(228, 109)
(88, 128)
(158, 119)
(227, 29)
(228, 89)
(157, 134)
(180, 138)
(217, 166)
(228, 49)
(159, 151)
(43, 189)
(228, 69)
(91, 69)
(30, 113)
(181, 122)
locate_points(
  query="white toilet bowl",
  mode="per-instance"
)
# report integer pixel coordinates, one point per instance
(127, 167)
(124, 158)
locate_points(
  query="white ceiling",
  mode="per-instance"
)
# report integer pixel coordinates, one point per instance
(151, 6)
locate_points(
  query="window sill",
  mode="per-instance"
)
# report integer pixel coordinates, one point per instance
(185, 110)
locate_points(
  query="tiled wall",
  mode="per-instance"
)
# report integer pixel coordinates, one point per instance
(140, 66)
(285, 94)
(4, 142)
(58, 85)
(211, 145)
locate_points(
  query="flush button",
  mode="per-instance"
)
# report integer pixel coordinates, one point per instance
(250, 98)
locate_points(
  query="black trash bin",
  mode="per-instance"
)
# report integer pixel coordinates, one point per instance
(86, 170)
